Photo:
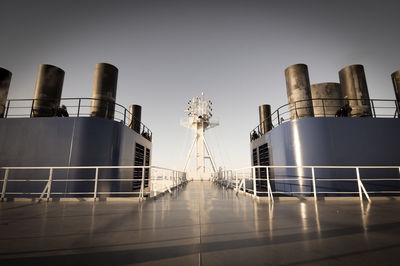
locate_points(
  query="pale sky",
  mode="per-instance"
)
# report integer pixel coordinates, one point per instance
(169, 51)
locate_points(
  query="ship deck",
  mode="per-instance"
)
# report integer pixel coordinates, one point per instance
(201, 224)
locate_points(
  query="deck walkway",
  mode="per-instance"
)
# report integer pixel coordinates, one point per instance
(203, 224)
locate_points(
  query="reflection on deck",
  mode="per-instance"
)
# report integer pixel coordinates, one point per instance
(203, 224)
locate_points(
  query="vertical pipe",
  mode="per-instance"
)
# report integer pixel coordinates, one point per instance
(264, 112)
(135, 117)
(354, 87)
(298, 91)
(327, 99)
(104, 91)
(48, 91)
(396, 85)
(5, 80)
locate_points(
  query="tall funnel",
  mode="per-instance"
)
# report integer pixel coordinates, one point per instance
(265, 118)
(5, 80)
(104, 91)
(298, 89)
(327, 99)
(135, 117)
(354, 86)
(48, 91)
(396, 86)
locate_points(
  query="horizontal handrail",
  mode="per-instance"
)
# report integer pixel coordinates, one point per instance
(320, 166)
(237, 179)
(159, 180)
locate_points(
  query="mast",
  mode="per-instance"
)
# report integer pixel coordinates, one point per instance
(199, 116)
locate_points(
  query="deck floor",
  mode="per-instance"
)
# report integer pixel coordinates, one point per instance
(202, 224)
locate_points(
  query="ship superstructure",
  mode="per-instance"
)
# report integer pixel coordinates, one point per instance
(50, 131)
(329, 125)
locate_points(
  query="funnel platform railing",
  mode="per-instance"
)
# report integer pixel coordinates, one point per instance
(328, 107)
(76, 107)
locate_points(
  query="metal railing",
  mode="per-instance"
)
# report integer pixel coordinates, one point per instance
(250, 179)
(77, 107)
(380, 108)
(42, 181)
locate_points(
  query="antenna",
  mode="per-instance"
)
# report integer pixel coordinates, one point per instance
(199, 113)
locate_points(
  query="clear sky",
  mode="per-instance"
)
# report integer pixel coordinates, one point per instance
(169, 51)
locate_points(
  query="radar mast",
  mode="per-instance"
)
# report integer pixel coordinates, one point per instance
(199, 117)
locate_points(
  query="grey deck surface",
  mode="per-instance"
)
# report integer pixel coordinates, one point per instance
(202, 224)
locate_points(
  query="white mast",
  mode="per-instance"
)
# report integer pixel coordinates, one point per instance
(199, 115)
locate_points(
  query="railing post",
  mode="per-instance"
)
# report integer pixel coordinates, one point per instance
(314, 186)
(253, 170)
(176, 178)
(141, 195)
(396, 103)
(237, 184)
(124, 115)
(279, 120)
(95, 183)
(358, 182)
(8, 107)
(269, 186)
(231, 177)
(79, 107)
(3, 191)
(373, 108)
(361, 186)
(244, 184)
(49, 184)
(323, 106)
(33, 101)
